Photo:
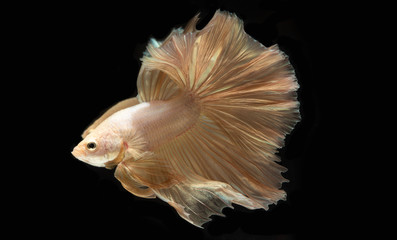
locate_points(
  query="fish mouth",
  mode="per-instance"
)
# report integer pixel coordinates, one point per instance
(78, 153)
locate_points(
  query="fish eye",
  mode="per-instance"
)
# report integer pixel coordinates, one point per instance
(91, 146)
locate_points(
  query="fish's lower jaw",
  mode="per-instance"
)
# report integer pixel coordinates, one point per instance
(95, 164)
(92, 162)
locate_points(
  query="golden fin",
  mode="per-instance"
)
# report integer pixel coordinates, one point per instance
(206, 151)
(148, 171)
(197, 201)
(119, 106)
(198, 59)
(247, 97)
(155, 85)
(248, 89)
(124, 175)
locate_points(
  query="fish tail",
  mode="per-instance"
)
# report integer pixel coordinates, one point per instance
(248, 89)
(248, 103)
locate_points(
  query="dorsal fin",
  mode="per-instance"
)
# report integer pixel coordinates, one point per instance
(119, 106)
(155, 85)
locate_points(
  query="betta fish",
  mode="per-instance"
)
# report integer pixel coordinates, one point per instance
(213, 107)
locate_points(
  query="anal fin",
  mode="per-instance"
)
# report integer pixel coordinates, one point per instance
(196, 202)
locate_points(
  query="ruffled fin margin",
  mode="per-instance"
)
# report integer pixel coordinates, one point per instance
(247, 96)
(196, 202)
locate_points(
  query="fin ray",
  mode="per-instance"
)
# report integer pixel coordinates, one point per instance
(197, 200)
(155, 85)
(247, 96)
(148, 171)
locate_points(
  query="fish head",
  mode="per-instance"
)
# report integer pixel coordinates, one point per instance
(98, 149)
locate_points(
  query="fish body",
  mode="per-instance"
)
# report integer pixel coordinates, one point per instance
(213, 107)
(141, 128)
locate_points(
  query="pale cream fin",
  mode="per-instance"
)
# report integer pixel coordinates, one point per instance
(155, 85)
(119, 106)
(206, 151)
(197, 201)
(148, 171)
(128, 181)
(247, 97)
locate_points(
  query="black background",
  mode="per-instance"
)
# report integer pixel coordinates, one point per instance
(78, 60)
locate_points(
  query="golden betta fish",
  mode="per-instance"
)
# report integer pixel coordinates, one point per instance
(213, 107)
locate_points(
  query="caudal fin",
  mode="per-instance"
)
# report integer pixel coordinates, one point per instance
(247, 96)
(248, 89)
